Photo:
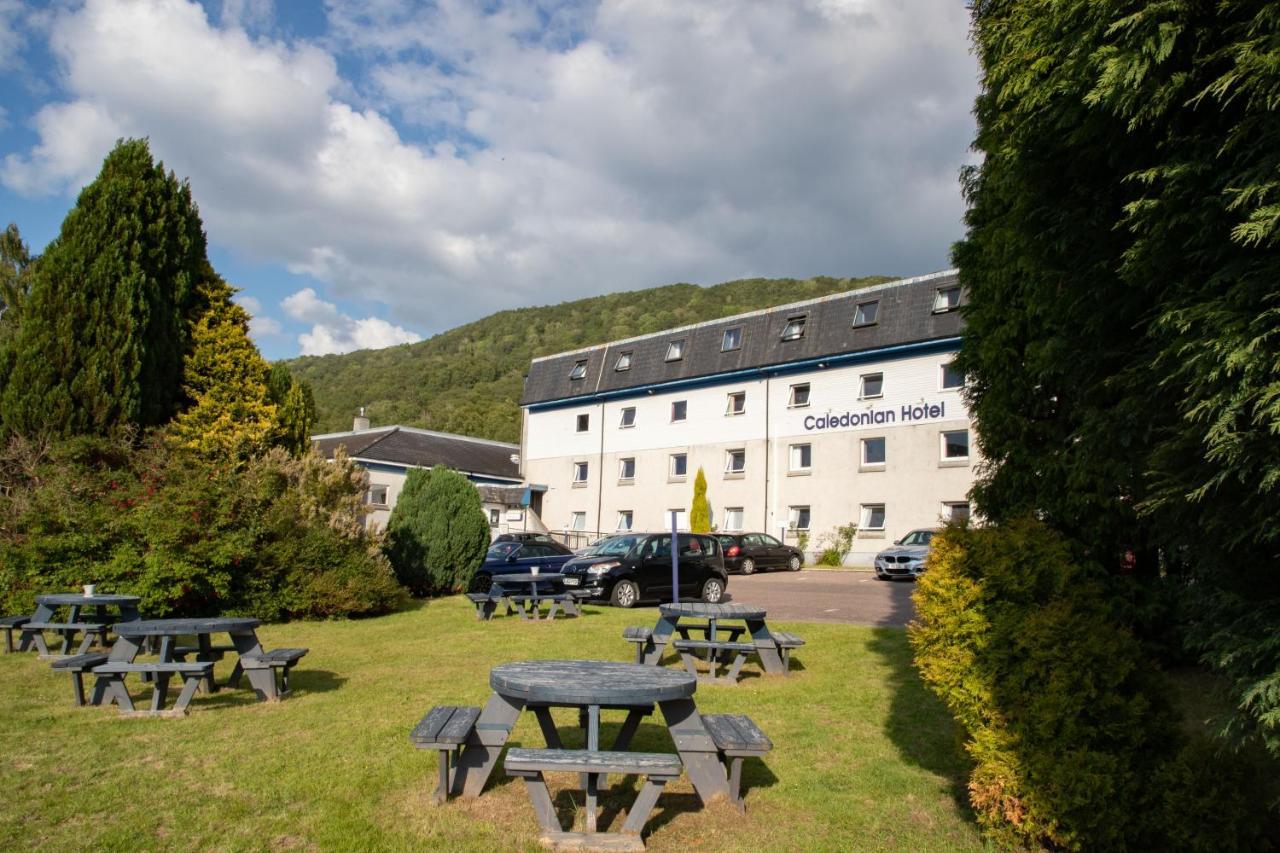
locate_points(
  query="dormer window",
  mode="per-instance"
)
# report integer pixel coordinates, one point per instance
(865, 314)
(794, 330)
(579, 369)
(732, 339)
(948, 299)
(623, 362)
(675, 350)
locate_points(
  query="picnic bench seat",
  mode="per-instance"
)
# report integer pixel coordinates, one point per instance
(445, 728)
(786, 643)
(11, 624)
(657, 768)
(523, 600)
(277, 660)
(485, 604)
(111, 684)
(718, 649)
(736, 737)
(642, 636)
(78, 665)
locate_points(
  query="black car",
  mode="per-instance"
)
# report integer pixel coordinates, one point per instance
(510, 557)
(632, 567)
(747, 552)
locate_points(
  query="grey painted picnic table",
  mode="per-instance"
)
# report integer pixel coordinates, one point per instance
(244, 640)
(675, 619)
(47, 606)
(507, 583)
(590, 686)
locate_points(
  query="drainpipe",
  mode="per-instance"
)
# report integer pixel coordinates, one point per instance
(600, 473)
(764, 525)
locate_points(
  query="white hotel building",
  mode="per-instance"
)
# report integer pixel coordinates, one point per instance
(804, 417)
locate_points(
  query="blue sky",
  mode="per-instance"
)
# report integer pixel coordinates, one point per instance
(373, 172)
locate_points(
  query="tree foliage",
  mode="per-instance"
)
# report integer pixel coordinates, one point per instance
(1123, 331)
(700, 512)
(15, 279)
(407, 543)
(457, 530)
(468, 380)
(105, 325)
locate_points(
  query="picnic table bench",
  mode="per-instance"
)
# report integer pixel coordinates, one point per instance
(737, 737)
(508, 588)
(721, 645)
(11, 624)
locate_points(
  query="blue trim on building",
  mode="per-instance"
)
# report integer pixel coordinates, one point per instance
(841, 359)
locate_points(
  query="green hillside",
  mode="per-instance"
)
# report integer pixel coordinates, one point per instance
(468, 380)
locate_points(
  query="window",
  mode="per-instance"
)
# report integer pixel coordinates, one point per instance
(955, 445)
(872, 386)
(675, 350)
(624, 519)
(865, 314)
(679, 464)
(872, 517)
(948, 299)
(733, 518)
(798, 518)
(494, 516)
(376, 496)
(951, 377)
(682, 520)
(584, 422)
(580, 472)
(801, 457)
(735, 462)
(578, 521)
(627, 468)
(794, 330)
(623, 362)
(873, 451)
(956, 511)
(679, 410)
(628, 418)
(732, 339)
(579, 370)
(799, 396)
(737, 404)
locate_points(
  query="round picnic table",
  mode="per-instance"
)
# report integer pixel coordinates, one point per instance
(244, 642)
(671, 618)
(75, 599)
(180, 627)
(702, 610)
(98, 623)
(590, 682)
(505, 583)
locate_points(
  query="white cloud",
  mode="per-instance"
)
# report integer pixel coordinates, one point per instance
(573, 150)
(260, 325)
(333, 331)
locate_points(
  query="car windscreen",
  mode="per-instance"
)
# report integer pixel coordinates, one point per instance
(918, 537)
(502, 550)
(614, 546)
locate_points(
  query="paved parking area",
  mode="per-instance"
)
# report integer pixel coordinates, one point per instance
(856, 598)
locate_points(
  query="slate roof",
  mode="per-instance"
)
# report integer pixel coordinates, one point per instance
(420, 448)
(905, 316)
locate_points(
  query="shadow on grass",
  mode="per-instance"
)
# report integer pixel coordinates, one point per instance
(919, 724)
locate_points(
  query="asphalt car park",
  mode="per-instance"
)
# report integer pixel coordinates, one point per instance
(810, 595)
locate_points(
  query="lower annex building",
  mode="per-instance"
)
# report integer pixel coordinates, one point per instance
(807, 416)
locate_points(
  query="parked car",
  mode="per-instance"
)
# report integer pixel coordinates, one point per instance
(525, 537)
(906, 558)
(509, 557)
(749, 552)
(632, 567)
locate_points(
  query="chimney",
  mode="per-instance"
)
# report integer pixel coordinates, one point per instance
(360, 422)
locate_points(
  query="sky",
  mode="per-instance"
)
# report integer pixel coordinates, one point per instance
(374, 172)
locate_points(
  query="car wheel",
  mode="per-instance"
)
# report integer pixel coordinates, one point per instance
(748, 566)
(794, 563)
(713, 591)
(625, 594)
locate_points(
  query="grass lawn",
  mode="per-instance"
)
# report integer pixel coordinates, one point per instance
(864, 758)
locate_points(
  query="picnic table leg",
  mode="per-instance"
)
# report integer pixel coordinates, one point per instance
(661, 635)
(160, 692)
(766, 647)
(548, 726)
(209, 685)
(697, 749)
(263, 681)
(593, 743)
(484, 746)
(628, 730)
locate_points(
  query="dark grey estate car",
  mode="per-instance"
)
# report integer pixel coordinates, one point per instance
(632, 567)
(906, 558)
(750, 552)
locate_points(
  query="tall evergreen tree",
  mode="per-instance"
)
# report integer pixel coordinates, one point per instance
(105, 327)
(296, 407)
(407, 543)
(700, 512)
(15, 264)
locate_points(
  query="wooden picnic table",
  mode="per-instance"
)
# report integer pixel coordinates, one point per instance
(591, 686)
(507, 584)
(244, 641)
(681, 618)
(79, 619)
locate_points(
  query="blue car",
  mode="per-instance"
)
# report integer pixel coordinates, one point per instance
(515, 557)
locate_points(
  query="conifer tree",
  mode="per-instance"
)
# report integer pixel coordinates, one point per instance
(407, 542)
(15, 264)
(226, 379)
(296, 408)
(105, 326)
(457, 531)
(700, 513)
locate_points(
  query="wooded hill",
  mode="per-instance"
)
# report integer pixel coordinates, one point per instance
(468, 380)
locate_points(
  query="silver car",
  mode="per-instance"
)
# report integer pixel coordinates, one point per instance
(906, 558)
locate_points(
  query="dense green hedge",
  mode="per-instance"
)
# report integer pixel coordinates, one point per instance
(1073, 740)
(437, 534)
(279, 538)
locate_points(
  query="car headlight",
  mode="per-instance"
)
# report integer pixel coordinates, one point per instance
(602, 568)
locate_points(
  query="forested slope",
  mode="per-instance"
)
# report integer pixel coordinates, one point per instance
(468, 380)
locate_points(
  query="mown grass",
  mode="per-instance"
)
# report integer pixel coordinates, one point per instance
(864, 757)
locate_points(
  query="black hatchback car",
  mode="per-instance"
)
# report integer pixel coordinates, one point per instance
(632, 567)
(749, 552)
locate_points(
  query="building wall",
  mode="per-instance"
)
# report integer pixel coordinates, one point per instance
(393, 478)
(914, 483)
